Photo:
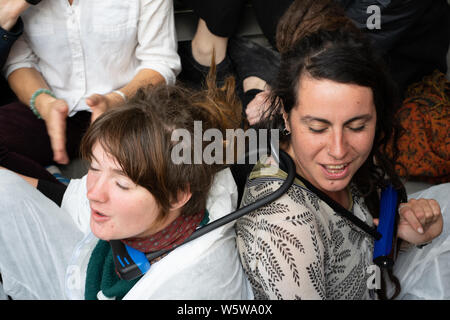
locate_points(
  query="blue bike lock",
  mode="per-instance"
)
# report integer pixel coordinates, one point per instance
(383, 246)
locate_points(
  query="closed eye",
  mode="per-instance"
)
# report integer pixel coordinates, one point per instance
(121, 186)
(92, 168)
(317, 130)
(357, 129)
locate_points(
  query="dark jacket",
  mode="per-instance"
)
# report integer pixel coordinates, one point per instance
(7, 38)
(414, 35)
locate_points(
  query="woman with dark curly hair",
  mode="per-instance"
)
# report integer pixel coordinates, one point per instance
(334, 103)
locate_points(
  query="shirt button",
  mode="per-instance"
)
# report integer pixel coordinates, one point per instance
(5, 37)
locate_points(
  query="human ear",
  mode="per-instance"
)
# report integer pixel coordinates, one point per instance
(183, 196)
(286, 120)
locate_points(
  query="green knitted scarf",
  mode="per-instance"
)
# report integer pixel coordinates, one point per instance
(101, 275)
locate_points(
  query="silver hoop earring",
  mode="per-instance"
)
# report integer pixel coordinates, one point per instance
(286, 132)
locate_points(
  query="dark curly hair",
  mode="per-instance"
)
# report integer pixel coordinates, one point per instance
(316, 39)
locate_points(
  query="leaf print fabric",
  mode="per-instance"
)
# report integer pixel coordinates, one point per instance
(297, 247)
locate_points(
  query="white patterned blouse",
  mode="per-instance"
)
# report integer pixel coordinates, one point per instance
(298, 247)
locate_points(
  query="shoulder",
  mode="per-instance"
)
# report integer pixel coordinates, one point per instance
(205, 268)
(76, 203)
(298, 205)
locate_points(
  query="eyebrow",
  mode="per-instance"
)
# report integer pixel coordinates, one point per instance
(119, 172)
(365, 117)
(116, 171)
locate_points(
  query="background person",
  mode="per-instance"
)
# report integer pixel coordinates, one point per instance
(11, 27)
(74, 61)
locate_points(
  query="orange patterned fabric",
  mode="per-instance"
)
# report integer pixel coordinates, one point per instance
(425, 146)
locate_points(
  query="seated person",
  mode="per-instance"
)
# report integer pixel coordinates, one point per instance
(134, 193)
(412, 36)
(74, 61)
(253, 65)
(11, 27)
(334, 103)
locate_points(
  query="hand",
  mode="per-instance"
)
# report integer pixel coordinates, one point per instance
(10, 11)
(420, 221)
(256, 108)
(55, 115)
(99, 103)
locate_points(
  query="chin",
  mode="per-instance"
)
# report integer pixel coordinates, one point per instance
(100, 234)
(335, 185)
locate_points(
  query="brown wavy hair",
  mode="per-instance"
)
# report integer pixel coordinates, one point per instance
(138, 135)
(306, 17)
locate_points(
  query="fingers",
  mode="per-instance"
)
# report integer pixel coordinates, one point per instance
(256, 108)
(98, 104)
(95, 114)
(407, 213)
(59, 151)
(420, 213)
(56, 128)
(436, 209)
(93, 100)
(376, 221)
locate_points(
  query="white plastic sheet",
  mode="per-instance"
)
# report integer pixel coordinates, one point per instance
(425, 273)
(36, 241)
(42, 247)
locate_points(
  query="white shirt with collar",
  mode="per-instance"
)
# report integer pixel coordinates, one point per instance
(96, 46)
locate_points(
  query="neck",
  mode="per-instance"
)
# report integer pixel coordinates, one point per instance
(162, 223)
(340, 197)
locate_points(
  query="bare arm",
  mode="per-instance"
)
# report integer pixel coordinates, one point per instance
(100, 103)
(24, 82)
(10, 11)
(143, 78)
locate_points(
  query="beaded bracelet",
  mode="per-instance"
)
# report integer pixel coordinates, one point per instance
(33, 100)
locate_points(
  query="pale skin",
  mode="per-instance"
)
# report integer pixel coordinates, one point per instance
(329, 143)
(205, 44)
(25, 81)
(54, 111)
(121, 209)
(256, 108)
(10, 11)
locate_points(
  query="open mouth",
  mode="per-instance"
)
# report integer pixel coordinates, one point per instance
(97, 215)
(335, 170)
(100, 214)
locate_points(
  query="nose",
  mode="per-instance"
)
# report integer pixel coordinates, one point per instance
(96, 189)
(338, 146)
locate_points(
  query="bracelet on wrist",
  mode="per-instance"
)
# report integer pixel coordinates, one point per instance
(33, 100)
(123, 95)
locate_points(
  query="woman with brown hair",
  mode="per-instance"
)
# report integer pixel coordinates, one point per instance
(135, 194)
